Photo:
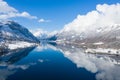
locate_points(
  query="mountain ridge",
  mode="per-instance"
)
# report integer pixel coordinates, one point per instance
(14, 35)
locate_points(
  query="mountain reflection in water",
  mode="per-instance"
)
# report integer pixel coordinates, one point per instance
(71, 62)
(106, 67)
(8, 60)
(15, 55)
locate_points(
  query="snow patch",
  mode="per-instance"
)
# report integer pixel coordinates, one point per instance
(21, 44)
(101, 50)
(98, 43)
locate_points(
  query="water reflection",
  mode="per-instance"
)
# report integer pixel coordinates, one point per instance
(15, 55)
(8, 60)
(106, 67)
(103, 66)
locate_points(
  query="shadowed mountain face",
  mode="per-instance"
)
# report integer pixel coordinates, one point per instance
(15, 55)
(12, 31)
(13, 36)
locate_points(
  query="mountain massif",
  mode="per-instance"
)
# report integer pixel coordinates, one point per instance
(108, 36)
(12, 34)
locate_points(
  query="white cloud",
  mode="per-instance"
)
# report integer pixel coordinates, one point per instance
(7, 11)
(104, 15)
(27, 15)
(43, 20)
(5, 8)
(41, 60)
(11, 69)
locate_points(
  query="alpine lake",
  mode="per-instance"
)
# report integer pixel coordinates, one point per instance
(51, 61)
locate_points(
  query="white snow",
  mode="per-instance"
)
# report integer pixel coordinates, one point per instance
(73, 36)
(98, 43)
(42, 34)
(20, 45)
(101, 50)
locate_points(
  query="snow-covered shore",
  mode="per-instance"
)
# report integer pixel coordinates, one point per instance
(6, 46)
(21, 44)
(103, 51)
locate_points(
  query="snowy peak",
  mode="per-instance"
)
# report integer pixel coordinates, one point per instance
(45, 35)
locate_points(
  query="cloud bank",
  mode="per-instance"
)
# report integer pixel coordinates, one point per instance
(7, 12)
(104, 15)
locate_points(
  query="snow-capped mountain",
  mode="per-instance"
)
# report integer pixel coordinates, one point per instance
(45, 35)
(100, 25)
(10, 30)
(39, 33)
(98, 34)
(13, 35)
(109, 36)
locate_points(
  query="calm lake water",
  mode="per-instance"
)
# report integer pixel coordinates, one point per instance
(58, 62)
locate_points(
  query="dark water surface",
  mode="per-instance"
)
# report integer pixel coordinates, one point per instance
(60, 62)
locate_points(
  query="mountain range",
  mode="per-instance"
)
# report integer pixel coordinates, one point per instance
(108, 36)
(13, 34)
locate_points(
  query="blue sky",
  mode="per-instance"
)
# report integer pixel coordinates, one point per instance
(56, 13)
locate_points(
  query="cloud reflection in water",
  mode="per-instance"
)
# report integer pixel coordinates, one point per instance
(106, 67)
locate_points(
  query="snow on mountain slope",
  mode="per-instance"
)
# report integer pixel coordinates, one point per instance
(44, 35)
(102, 24)
(11, 32)
(39, 33)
